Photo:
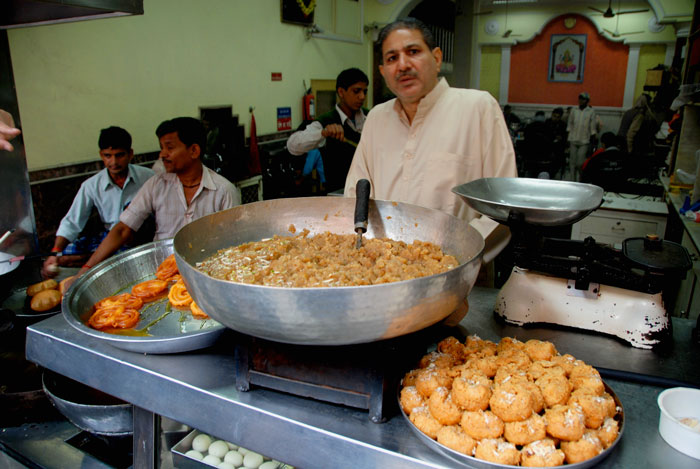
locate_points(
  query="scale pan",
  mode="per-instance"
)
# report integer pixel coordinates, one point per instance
(540, 201)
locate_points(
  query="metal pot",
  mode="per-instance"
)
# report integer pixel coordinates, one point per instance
(335, 315)
(87, 408)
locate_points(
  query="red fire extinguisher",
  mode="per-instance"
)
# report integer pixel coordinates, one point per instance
(308, 108)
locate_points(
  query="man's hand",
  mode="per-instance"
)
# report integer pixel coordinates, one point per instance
(334, 131)
(50, 267)
(7, 133)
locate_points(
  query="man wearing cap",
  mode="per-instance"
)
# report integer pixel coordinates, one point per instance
(582, 132)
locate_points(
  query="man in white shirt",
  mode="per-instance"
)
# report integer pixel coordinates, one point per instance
(582, 129)
(109, 192)
(188, 190)
(337, 132)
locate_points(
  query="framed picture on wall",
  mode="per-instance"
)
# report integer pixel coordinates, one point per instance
(298, 11)
(567, 57)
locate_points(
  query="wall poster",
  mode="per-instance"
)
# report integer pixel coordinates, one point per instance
(298, 11)
(567, 57)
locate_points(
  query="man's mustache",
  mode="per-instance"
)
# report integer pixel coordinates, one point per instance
(407, 73)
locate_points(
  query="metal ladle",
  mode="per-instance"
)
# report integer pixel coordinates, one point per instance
(361, 209)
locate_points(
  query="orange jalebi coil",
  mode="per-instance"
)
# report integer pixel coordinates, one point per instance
(197, 311)
(149, 290)
(178, 294)
(125, 299)
(167, 269)
(119, 317)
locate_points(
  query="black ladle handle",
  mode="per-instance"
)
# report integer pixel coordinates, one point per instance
(361, 205)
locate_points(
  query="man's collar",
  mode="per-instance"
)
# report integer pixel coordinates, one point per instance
(343, 116)
(428, 101)
(106, 179)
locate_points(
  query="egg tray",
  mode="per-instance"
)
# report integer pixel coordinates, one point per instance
(182, 461)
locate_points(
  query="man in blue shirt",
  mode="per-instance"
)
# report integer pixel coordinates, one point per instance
(108, 191)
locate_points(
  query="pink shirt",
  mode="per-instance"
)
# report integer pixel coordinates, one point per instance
(164, 196)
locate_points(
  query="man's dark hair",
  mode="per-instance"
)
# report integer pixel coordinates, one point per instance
(114, 137)
(407, 23)
(540, 113)
(349, 77)
(189, 131)
(608, 139)
(558, 110)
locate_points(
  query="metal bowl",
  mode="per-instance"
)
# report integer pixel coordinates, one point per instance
(173, 332)
(87, 408)
(336, 315)
(540, 201)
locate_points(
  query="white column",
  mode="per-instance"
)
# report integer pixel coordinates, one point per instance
(631, 78)
(505, 74)
(670, 51)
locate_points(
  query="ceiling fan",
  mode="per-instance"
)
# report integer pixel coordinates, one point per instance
(609, 13)
(508, 32)
(617, 32)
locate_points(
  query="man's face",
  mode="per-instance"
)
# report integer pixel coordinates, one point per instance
(354, 96)
(582, 102)
(116, 160)
(556, 117)
(176, 156)
(409, 68)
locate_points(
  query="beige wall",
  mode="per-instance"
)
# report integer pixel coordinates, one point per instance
(74, 79)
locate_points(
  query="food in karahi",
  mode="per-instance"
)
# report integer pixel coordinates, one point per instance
(513, 403)
(326, 260)
(45, 300)
(122, 311)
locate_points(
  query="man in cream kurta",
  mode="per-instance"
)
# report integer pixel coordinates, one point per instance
(417, 147)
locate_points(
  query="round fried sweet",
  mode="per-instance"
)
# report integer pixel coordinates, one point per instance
(178, 295)
(437, 360)
(410, 399)
(511, 402)
(537, 398)
(607, 433)
(514, 356)
(508, 343)
(589, 446)
(124, 299)
(498, 451)
(486, 365)
(149, 290)
(595, 408)
(454, 438)
(481, 424)
(443, 408)
(118, 317)
(565, 422)
(167, 268)
(565, 361)
(425, 422)
(45, 300)
(471, 393)
(475, 347)
(452, 346)
(409, 379)
(543, 367)
(510, 374)
(585, 376)
(539, 349)
(525, 431)
(429, 379)
(197, 312)
(541, 453)
(556, 389)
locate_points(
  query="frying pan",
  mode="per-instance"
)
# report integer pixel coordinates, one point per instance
(333, 315)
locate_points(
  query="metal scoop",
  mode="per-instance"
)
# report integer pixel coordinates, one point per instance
(361, 209)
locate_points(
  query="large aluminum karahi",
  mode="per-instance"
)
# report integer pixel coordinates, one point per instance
(334, 315)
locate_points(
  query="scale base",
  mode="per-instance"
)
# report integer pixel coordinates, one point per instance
(530, 297)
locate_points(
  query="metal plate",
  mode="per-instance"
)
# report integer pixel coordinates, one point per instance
(333, 315)
(540, 201)
(471, 461)
(175, 331)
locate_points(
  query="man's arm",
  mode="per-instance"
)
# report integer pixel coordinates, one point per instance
(50, 267)
(117, 237)
(305, 140)
(7, 130)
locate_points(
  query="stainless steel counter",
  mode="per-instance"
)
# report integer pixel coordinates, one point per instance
(198, 389)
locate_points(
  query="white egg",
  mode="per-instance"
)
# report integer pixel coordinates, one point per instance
(231, 445)
(252, 460)
(194, 455)
(243, 450)
(219, 448)
(201, 442)
(226, 465)
(269, 465)
(211, 460)
(234, 457)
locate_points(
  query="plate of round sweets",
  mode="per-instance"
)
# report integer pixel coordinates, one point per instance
(491, 405)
